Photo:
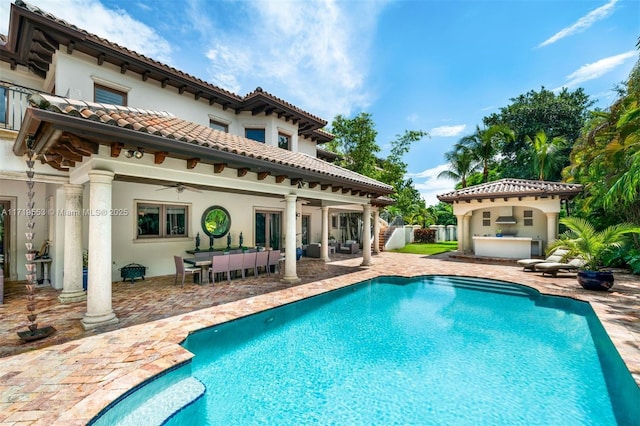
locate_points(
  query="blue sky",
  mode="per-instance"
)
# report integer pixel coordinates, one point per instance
(437, 66)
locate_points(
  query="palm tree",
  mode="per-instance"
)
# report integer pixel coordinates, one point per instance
(583, 240)
(544, 149)
(461, 164)
(484, 144)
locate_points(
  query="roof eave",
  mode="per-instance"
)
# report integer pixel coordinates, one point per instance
(36, 118)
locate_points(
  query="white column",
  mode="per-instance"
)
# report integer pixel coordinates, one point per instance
(552, 227)
(290, 274)
(467, 237)
(72, 280)
(461, 236)
(376, 231)
(99, 310)
(366, 235)
(324, 241)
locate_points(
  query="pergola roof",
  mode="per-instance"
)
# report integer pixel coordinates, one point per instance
(66, 130)
(508, 188)
(35, 35)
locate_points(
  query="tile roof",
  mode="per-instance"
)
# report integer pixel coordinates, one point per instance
(99, 46)
(166, 125)
(509, 187)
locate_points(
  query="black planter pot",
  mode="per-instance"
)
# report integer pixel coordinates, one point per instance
(595, 280)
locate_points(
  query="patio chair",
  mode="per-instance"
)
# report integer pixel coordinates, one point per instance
(262, 261)
(556, 256)
(235, 262)
(349, 247)
(313, 250)
(182, 270)
(274, 261)
(219, 265)
(552, 268)
(249, 262)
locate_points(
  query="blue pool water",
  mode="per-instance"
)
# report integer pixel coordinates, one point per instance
(431, 350)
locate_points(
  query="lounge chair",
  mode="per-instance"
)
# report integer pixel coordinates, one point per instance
(556, 257)
(552, 268)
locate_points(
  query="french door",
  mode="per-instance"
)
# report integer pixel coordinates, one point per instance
(268, 230)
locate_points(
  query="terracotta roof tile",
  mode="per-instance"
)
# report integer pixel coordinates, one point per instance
(509, 187)
(168, 126)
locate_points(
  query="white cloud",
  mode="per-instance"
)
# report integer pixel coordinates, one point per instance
(596, 69)
(114, 25)
(582, 23)
(429, 185)
(413, 118)
(315, 54)
(448, 131)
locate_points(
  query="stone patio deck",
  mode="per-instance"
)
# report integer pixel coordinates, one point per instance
(71, 376)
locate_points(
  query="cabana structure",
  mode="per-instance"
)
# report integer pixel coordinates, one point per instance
(509, 218)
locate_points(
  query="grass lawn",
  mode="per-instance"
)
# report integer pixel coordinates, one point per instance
(428, 249)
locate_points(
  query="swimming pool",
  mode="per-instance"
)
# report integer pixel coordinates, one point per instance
(427, 350)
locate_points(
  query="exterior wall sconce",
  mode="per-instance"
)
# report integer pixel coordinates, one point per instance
(137, 153)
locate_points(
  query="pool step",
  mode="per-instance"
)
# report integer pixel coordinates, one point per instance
(482, 285)
(160, 407)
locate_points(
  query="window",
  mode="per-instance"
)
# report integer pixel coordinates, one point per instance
(528, 218)
(107, 95)
(284, 141)
(162, 220)
(4, 102)
(334, 221)
(217, 125)
(255, 134)
(486, 218)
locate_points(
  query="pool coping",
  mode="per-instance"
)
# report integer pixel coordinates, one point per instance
(38, 388)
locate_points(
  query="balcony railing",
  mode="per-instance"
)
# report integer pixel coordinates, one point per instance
(13, 104)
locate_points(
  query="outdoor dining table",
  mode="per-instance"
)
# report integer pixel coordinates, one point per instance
(204, 267)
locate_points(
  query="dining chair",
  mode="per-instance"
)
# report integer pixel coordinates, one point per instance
(274, 260)
(235, 262)
(219, 264)
(182, 270)
(249, 262)
(262, 261)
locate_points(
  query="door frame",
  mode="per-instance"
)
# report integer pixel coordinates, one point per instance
(10, 238)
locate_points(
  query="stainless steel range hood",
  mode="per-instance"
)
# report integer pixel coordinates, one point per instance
(506, 216)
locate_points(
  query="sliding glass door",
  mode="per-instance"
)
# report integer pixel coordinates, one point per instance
(268, 229)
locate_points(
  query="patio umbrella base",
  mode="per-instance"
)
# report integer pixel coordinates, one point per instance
(39, 333)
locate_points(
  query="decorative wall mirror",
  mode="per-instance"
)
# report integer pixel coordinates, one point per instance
(216, 221)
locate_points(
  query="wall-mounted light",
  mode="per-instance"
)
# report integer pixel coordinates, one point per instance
(137, 153)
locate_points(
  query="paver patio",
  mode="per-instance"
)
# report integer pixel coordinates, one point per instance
(68, 378)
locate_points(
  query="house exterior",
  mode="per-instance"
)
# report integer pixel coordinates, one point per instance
(131, 152)
(509, 218)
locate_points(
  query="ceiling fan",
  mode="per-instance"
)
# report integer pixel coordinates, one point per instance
(180, 188)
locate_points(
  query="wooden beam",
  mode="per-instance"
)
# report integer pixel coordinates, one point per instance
(66, 154)
(219, 167)
(336, 188)
(124, 67)
(324, 186)
(192, 163)
(83, 146)
(313, 184)
(116, 147)
(355, 192)
(212, 100)
(101, 58)
(263, 175)
(70, 47)
(182, 89)
(198, 95)
(295, 182)
(158, 157)
(345, 190)
(258, 110)
(243, 172)
(164, 82)
(145, 75)
(269, 111)
(280, 178)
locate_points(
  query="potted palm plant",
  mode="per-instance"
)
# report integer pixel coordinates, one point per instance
(581, 239)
